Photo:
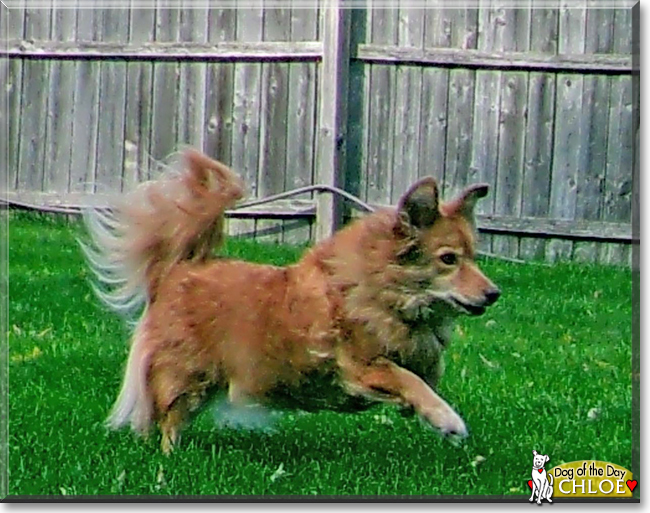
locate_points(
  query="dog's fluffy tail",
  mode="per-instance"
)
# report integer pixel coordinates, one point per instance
(133, 404)
(162, 222)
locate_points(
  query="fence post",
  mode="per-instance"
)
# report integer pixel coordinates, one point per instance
(334, 76)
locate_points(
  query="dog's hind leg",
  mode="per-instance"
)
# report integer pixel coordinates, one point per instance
(182, 409)
(171, 425)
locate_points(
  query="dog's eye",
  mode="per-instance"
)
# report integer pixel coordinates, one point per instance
(449, 258)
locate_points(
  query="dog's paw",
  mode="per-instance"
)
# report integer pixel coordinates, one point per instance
(450, 424)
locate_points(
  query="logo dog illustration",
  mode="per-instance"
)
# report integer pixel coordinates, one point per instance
(540, 483)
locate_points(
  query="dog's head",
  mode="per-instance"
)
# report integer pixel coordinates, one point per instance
(438, 239)
(539, 460)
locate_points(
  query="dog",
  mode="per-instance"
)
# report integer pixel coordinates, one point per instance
(541, 484)
(362, 318)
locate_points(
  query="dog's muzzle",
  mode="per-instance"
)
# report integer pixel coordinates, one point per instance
(490, 297)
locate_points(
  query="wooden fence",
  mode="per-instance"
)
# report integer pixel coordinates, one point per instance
(536, 102)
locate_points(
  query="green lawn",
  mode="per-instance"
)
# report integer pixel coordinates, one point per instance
(524, 376)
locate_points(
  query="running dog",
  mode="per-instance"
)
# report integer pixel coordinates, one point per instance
(363, 317)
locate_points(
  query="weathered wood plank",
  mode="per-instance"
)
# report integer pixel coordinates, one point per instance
(556, 228)
(273, 117)
(522, 61)
(34, 105)
(219, 92)
(540, 131)
(112, 97)
(14, 72)
(4, 118)
(301, 110)
(293, 209)
(595, 118)
(228, 51)
(620, 233)
(381, 108)
(139, 87)
(512, 136)
(459, 131)
(217, 139)
(567, 133)
(86, 107)
(193, 27)
(464, 34)
(485, 148)
(246, 112)
(164, 123)
(408, 98)
(435, 87)
(333, 114)
(618, 178)
(511, 36)
(58, 129)
(538, 157)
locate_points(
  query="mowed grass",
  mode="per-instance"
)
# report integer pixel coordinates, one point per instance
(524, 376)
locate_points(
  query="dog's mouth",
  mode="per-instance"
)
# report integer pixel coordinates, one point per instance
(468, 308)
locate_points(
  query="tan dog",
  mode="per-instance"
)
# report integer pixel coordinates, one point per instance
(363, 317)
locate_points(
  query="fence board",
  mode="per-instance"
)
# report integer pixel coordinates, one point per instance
(567, 135)
(595, 109)
(14, 72)
(487, 103)
(332, 120)
(217, 139)
(408, 98)
(34, 105)
(617, 197)
(435, 93)
(5, 180)
(539, 129)
(464, 34)
(618, 182)
(193, 27)
(112, 98)
(273, 117)
(58, 129)
(246, 113)
(299, 168)
(164, 123)
(86, 108)
(459, 131)
(381, 111)
(139, 87)
(512, 35)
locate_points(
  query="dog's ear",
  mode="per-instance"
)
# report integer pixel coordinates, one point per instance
(547, 458)
(464, 204)
(534, 452)
(418, 207)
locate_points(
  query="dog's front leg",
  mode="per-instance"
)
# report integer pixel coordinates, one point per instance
(385, 381)
(532, 495)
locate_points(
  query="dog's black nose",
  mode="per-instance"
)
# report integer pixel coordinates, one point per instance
(491, 296)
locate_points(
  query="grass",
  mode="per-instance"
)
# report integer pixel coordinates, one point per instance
(524, 376)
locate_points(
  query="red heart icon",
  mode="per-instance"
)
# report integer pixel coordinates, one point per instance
(631, 484)
(530, 483)
(540, 470)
